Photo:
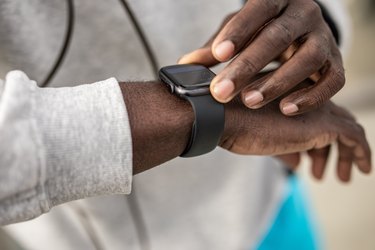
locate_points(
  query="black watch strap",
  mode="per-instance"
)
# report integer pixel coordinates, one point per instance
(208, 125)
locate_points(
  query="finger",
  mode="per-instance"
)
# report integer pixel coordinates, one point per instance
(275, 38)
(307, 60)
(292, 160)
(319, 158)
(286, 55)
(356, 139)
(243, 26)
(201, 56)
(312, 97)
(344, 164)
(204, 54)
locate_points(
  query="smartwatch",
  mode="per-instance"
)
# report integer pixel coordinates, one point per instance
(192, 82)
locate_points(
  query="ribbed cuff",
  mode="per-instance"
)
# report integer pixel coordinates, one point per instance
(86, 135)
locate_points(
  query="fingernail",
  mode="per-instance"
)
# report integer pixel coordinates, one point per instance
(290, 108)
(253, 98)
(223, 89)
(224, 50)
(185, 58)
(181, 59)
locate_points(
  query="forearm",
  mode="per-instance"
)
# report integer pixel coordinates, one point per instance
(63, 144)
(160, 123)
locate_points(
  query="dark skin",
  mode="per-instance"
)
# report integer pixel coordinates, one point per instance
(292, 32)
(161, 125)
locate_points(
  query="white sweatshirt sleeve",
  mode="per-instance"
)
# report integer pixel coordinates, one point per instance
(340, 16)
(60, 144)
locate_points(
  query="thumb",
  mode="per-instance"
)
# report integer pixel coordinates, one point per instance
(201, 56)
(204, 55)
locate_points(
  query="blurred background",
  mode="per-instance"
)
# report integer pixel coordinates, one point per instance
(346, 212)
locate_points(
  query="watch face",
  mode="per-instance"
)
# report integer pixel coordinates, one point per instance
(188, 76)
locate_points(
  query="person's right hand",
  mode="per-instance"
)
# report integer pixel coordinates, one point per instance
(268, 132)
(292, 32)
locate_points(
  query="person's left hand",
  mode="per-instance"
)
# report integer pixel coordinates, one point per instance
(268, 132)
(267, 30)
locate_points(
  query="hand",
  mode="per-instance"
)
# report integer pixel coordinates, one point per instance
(267, 132)
(293, 32)
(161, 126)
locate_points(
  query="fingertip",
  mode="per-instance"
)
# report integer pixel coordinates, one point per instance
(318, 178)
(289, 108)
(222, 90)
(224, 50)
(346, 179)
(344, 173)
(365, 167)
(291, 161)
(253, 98)
(182, 60)
(369, 169)
(318, 175)
(187, 58)
(342, 177)
(318, 167)
(200, 56)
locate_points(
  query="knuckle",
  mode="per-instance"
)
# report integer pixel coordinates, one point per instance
(280, 33)
(338, 79)
(312, 9)
(326, 36)
(318, 99)
(360, 130)
(272, 7)
(249, 66)
(332, 85)
(237, 29)
(317, 53)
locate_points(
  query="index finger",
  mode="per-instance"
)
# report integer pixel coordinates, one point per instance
(356, 139)
(243, 26)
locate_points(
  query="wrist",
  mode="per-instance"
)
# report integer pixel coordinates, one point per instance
(242, 123)
(160, 123)
(231, 121)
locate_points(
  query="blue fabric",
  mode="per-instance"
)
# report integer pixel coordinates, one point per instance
(293, 227)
